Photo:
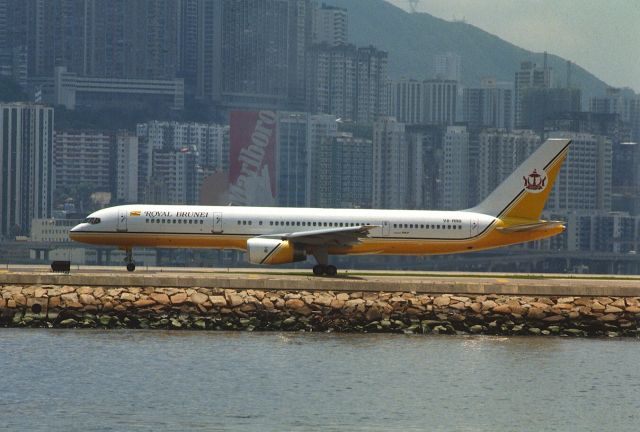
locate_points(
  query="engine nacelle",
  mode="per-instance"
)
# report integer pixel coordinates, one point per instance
(274, 251)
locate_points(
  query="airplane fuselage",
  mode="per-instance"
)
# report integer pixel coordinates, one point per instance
(396, 232)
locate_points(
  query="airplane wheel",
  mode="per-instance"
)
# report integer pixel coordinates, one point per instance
(131, 267)
(331, 270)
(318, 270)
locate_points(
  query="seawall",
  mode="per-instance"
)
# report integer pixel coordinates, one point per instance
(34, 303)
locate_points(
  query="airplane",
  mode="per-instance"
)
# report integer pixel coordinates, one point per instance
(279, 235)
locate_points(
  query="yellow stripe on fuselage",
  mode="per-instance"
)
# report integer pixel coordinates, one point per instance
(491, 238)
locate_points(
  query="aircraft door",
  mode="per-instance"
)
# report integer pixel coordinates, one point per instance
(386, 228)
(474, 227)
(217, 223)
(122, 220)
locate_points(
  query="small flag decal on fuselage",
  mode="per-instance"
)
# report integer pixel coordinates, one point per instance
(135, 213)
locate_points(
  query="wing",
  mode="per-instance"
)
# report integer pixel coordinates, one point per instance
(343, 236)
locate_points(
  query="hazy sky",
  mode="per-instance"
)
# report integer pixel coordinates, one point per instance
(603, 36)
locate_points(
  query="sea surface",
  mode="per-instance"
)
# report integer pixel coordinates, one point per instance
(119, 380)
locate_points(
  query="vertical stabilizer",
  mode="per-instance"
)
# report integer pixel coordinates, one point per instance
(524, 193)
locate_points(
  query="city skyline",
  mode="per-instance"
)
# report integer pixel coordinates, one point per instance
(587, 33)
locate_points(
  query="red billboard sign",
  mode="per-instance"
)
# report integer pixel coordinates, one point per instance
(252, 160)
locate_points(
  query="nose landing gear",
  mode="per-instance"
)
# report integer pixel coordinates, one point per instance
(131, 265)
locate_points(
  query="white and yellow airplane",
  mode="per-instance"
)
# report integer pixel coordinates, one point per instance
(273, 235)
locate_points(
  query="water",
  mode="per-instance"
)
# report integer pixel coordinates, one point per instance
(163, 380)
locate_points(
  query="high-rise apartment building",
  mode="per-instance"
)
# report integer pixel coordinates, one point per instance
(126, 170)
(176, 177)
(390, 161)
(538, 105)
(371, 88)
(264, 48)
(585, 180)
(627, 107)
(529, 76)
(342, 172)
(455, 180)
(209, 50)
(348, 82)
(298, 135)
(26, 166)
(82, 157)
(440, 101)
(448, 66)
(406, 100)
(489, 106)
(424, 179)
(330, 25)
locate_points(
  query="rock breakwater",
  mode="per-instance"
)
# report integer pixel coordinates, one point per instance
(260, 310)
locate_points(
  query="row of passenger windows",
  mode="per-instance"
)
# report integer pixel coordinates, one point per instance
(304, 223)
(427, 226)
(176, 221)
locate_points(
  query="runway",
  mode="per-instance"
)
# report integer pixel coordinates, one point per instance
(348, 280)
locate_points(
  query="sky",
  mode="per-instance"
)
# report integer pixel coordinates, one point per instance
(602, 36)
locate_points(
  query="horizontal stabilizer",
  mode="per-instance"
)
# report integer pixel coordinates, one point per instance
(535, 226)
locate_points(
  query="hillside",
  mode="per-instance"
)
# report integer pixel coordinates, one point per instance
(413, 39)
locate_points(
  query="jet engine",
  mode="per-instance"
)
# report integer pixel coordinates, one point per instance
(274, 251)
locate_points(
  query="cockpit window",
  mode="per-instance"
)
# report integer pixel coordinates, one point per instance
(92, 220)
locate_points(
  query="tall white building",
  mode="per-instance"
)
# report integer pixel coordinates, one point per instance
(455, 190)
(330, 25)
(440, 101)
(499, 153)
(448, 66)
(390, 161)
(26, 166)
(126, 180)
(585, 179)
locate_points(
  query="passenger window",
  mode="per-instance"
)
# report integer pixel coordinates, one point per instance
(271, 223)
(448, 226)
(250, 222)
(146, 221)
(180, 221)
(201, 222)
(260, 223)
(395, 225)
(438, 226)
(239, 222)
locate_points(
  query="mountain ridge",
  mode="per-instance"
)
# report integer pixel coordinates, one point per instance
(412, 40)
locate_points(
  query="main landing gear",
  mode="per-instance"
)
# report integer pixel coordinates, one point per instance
(128, 258)
(323, 267)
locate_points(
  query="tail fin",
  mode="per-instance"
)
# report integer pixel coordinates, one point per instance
(524, 193)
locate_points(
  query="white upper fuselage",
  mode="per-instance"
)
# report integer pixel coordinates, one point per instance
(257, 221)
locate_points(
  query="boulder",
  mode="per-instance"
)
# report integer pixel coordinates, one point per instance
(612, 309)
(442, 301)
(565, 300)
(219, 301)
(198, 298)
(488, 305)
(87, 299)
(160, 298)
(294, 304)
(502, 309)
(127, 296)
(179, 298)
(143, 302)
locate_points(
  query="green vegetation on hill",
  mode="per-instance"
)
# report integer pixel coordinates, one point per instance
(413, 39)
